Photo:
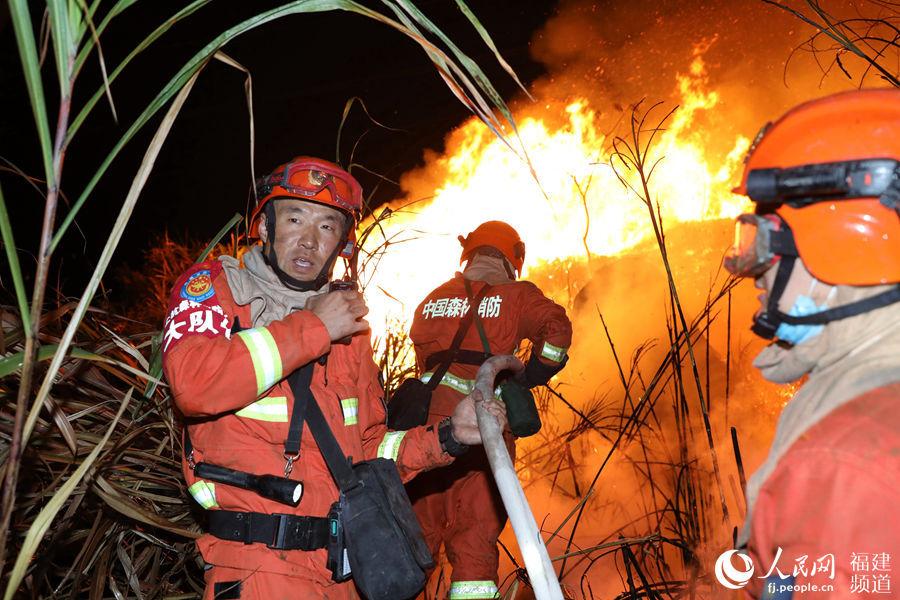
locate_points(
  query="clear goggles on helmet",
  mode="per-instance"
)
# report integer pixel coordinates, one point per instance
(759, 242)
(309, 179)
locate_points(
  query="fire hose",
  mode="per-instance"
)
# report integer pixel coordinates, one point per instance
(534, 552)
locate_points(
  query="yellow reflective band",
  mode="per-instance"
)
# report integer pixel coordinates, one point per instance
(390, 445)
(350, 406)
(554, 353)
(204, 493)
(471, 590)
(272, 409)
(463, 386)
(265, 355)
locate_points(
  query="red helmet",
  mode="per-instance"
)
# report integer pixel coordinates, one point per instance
(830, 168)
(495, 234)
(313, 180)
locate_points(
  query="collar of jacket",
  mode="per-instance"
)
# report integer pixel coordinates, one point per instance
(257, 285)
(486, 268)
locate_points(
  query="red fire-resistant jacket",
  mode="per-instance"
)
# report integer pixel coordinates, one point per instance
(231, 389)
(510, 313)
(828, 514)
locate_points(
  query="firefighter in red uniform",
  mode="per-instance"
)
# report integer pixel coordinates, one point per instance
(234, 332)
(824, 245)
(460, 506)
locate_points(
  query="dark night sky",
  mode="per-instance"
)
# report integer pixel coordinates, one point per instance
(304, 69)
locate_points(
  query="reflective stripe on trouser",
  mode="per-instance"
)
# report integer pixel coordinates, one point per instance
(554, 353)
(350, 407)
(463, 386)
(390, 445)
(265, 355)
(204, 493)
(463, 590)
(272, 409)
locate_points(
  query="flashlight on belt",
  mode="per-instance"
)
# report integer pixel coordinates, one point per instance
(280, 489)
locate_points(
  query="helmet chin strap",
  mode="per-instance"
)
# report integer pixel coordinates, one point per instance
(766, 324)
(292, 282)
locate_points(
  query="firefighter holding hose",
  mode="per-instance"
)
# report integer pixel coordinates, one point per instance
(824, 246)
(235, 336)
(478, 313)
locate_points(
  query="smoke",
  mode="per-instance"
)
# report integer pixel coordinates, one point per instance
(616, 53)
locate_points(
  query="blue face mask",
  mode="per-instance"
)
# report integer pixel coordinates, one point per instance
(803, 306)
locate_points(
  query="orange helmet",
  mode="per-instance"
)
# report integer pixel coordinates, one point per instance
(498, 235)
(830, 168)
(313, 180)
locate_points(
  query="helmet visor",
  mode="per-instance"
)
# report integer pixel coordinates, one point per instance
(753, 251)
(311, 179)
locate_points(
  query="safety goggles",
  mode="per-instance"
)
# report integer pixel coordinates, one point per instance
(759, 242)
(309, 179)
(808, 184)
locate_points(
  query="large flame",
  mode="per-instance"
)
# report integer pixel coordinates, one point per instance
(571, 206)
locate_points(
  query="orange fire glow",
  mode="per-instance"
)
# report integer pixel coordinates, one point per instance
(578, 206)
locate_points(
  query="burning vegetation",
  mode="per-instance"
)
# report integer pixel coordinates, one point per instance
(625, 207)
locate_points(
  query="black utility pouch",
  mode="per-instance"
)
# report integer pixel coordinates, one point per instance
(337, 562)
(387, 551)
(521, 411)
(409, 405)
(381, 538)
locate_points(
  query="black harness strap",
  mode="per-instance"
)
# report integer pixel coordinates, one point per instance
(328, 445)
(299, 379)
(463, 357)
(451, 354)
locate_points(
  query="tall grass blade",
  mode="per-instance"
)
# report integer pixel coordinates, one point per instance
(12, 363)
(62, 42)
(470, 65)
(248, 93)
(95, 40)
(118, 228)
(12, 258)
(486, 38)
(21, 18)
(42, 522)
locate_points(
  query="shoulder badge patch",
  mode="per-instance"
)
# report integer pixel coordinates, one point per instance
(198, 287)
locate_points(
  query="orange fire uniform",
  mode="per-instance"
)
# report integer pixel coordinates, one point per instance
(460, 505)
(230, 387)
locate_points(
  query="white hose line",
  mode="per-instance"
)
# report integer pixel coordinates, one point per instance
(537, 560)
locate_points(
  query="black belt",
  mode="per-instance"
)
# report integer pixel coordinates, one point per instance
(463, 357)
(278, 531)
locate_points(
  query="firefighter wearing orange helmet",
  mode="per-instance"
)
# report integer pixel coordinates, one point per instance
(460, 506)
(233, 335)
(824, 245)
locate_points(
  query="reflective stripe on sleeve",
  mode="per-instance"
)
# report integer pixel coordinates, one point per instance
(463, 386)
(554, 353)
(265, 355)
(350, 406)
(272, 409)
(471, 590)
(204, 493)
(390, 445)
